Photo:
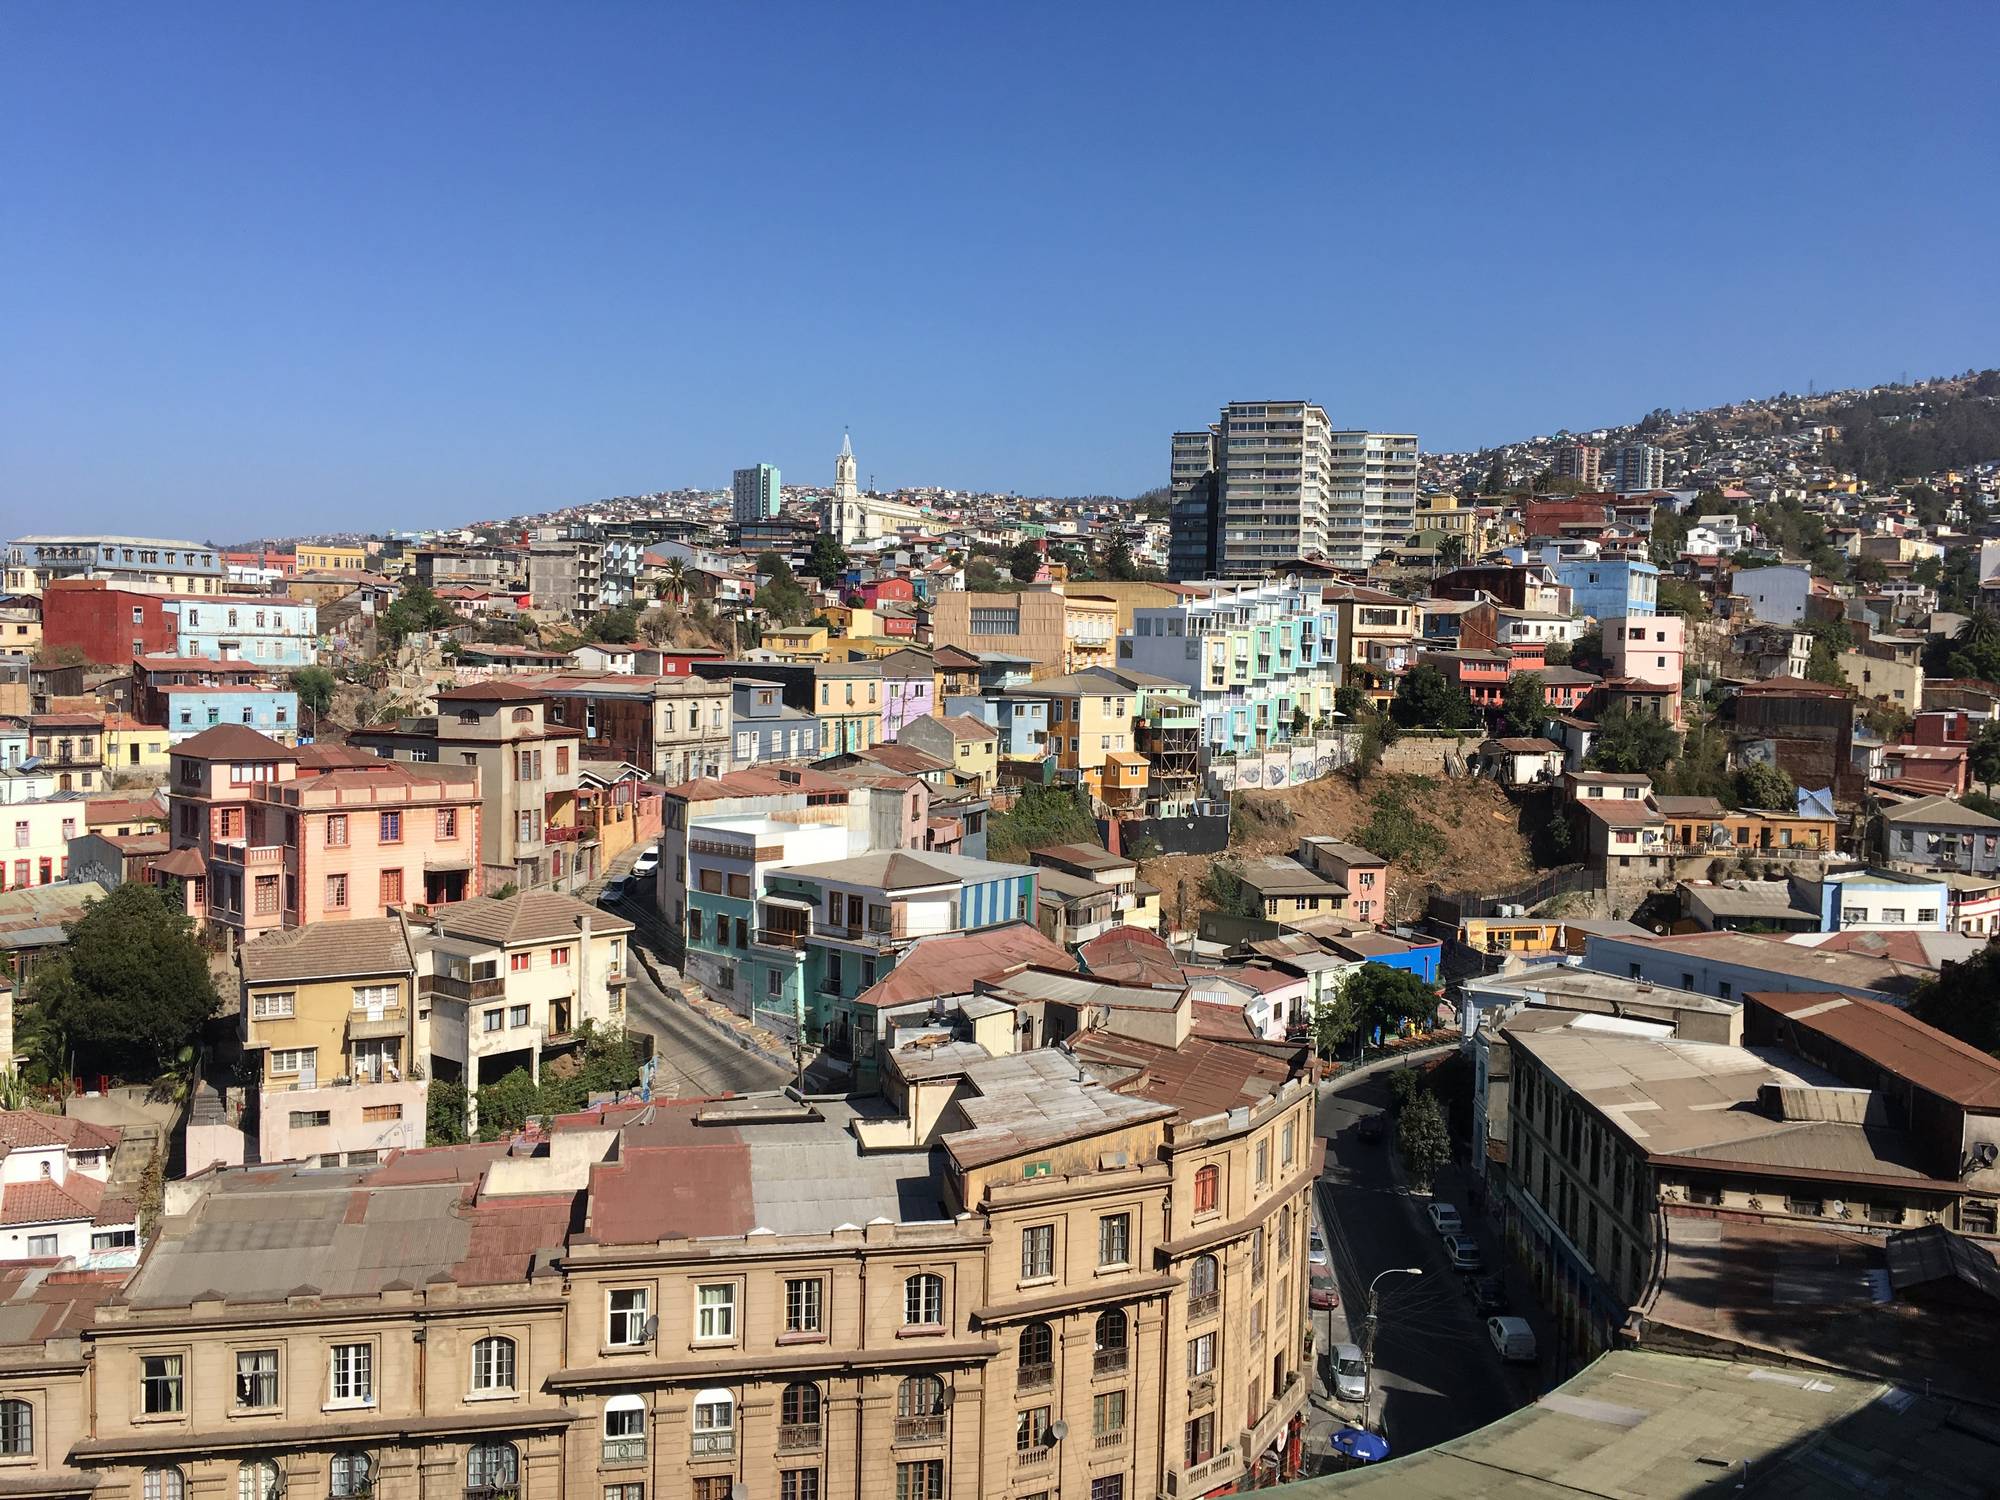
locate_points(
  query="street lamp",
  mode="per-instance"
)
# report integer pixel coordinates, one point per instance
(1368, 1354)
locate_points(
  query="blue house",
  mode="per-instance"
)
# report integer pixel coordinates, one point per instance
(1021, 723)
(1611, 588)
(271, 711)
(1420, 958)
(763, 727)
(268, 632)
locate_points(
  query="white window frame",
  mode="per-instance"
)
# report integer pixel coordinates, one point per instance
(625, 1327)
(350, 1375)
(715, 1321)
(494, 1365)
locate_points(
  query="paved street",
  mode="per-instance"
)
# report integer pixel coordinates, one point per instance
(696, 1059)
(1435, 1374)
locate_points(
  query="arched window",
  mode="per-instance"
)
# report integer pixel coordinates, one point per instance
(468, 716)
(714, 1423)
(1038, 1345)
(162, 1484)
(17, 1428)
(1207, 1189)
(1202, 1276)
(798, 1405)
(1285, 1230)
(523, 716)
(923, 1300)
(351, 1474)
(491, 1468)
(920, 1396)
(1110, 1331)
(257, 1480)
(625, 1427)
(493, 1364)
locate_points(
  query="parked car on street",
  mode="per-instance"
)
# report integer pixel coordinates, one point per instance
(1350, 1373)
(647, 862)
(1489, 1294)
(1445, 1219)
(1464, 1252)
(1323, 1292)
(1513, 1340)
(612, 894)
(1370, 1129)
(1316, 1251)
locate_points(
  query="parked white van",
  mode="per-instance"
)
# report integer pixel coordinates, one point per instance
(1513, 1340)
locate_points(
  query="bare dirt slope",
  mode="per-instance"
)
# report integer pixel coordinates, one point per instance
(1449, 834)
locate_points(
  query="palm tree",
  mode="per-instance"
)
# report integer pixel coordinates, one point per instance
(676, 581)
(1451, 551)
(1981, 631)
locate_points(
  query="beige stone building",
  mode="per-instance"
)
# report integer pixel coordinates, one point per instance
(1060, 630)
(1011, 1276)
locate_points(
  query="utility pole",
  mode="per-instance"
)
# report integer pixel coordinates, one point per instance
(1374, 1304)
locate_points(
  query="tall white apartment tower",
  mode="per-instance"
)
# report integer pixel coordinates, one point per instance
(1271, 484)
(1638, 466)
(754, 493)
(1372, 500)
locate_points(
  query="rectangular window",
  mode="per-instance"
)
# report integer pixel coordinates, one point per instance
(380, 1114)
(1107, 1413)
(1114, 1240)
(160, 1387)
(447, 823)
(517, 1015)
(628, 1317)
(41, 1246)
(311, 1119)
(336, 892)
(624, 1492)
(292, 1059)
(1285, 1144)
(272, 1007)
(715, 1311)
(923, 1480)
(798, 1484)
(1038, 1251)
(558, 957)
(374, 996)
(353, 1375)
(1200, 1439)
(1200, 1355)
(520, 963)
(256, 1378)
(391, 831)
(1263, 1163)
(803, 1297)
(493, 1020)
(392, 887)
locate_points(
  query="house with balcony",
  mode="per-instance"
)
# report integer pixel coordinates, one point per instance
(1251, 657)
(1090, 736)
(764, 729)
(71, 747)
(262, 841)
(328, 1017)
(1134, 903)
(674, 726)
(1938, 833)
(968, 745)
(847, 700)
(853, 918)
(505, 982)
(1482, 674)
(909, 690)
(528, 768)
(188, 710)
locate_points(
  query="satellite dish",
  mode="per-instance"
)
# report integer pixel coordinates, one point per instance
(1987, 1152)
(1054, 1433)
(650, 1329)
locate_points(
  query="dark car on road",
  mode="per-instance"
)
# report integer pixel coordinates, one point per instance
(1370, 1129)
(1489, 1294)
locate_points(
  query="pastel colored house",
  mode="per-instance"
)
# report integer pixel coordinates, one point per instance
(269, 711)
(909, 690)
(275, 633)
(967, 744)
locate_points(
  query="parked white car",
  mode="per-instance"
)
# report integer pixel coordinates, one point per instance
(1445, 1219)
(1350, 1373)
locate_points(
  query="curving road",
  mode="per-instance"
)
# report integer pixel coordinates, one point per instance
(696, 1060)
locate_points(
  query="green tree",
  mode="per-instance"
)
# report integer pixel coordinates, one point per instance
(1349, 701)
(1040, 817)
(315, 686)
(128, 991)
(1984, 756)
(1762, 785)
(1496, 482)
(1386, 998)
(1629, 743)
(674, 583)
(1024, 560)
(1679, 597)
(1823, 665)
(1964, 1001)
(613, 627)
(1421, 1141)
(1229, 894)
(1451, 551)
(1426, 698)
(1524, 706)
(444, 1113)
(1588, 647)
(783, 600)
(828, 561)
(1334, 1023)
(1118, 563)
(983, 577)
(1558, 654)
(416, 610)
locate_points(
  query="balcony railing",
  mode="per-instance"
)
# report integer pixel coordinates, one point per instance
(453, 988)
(780, 937)
(625, 1450)
(1035, 1377)
(1110, 1361)
(1031, 1458)
(1113, 1439)
(1204, 1305)
(712, 1445)
(920, 1429)
(1201, 1390)
(800, 1437)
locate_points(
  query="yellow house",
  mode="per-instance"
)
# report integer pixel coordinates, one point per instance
(1090, 733)
(327, 1016)
(331, 557)
(21, 628)
(133, 748)
(1510, 935)
(970, 745)
(796, 643)
(847, 700)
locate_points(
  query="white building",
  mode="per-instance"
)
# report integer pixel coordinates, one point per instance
(1775, 595)
(53, 1199)
(1638, 466)
(1372, 496)
(854, 519)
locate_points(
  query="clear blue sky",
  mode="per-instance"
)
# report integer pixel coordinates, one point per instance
(270, 268)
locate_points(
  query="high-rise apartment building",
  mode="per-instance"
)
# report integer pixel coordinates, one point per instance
(1638, 466)
(1194, 519)
(1279, 483)
(1583, 462)
(1372, 499)
(755, 493)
